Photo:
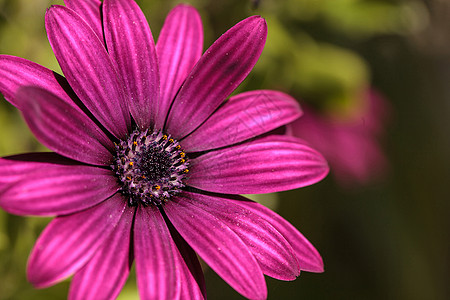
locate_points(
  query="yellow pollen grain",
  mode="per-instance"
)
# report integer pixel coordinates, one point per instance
(165, 137)
(171, 140)
(143, 177)
(178, 147)
(182, 154)
(186, 171)
(131, 163)
(128, 177)
(182, 161)
(135, 143)
(157, 187)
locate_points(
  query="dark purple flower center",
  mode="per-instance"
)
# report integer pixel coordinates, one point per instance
(151, 166)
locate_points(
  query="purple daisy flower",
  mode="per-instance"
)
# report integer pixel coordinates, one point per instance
(149, 160)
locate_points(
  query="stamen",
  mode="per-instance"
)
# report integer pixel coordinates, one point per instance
(151, 166)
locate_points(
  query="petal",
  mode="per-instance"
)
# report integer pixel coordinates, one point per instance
(179, 47)
(105, 274)
(189, 286)
(90, 11)
(242, 117)
(273, 253)
(88, 68)
(218, 246)
(130, 44)
(270, 164)
(16, 72)
(45, 186)
(17, 167)
(156, 256)
(308, 257)
(220, 70)
(192, 278)
(62, 128)
(70, 241)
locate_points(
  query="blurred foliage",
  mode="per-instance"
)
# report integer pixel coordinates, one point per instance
(357, 18)
(387, 241)
(327, 75)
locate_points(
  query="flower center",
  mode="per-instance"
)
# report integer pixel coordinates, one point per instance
(151, 167)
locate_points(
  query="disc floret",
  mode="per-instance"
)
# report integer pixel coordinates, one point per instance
(151, 167)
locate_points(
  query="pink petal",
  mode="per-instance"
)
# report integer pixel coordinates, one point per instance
(271, 164)
(45, 186)
(62, 128)
(157, 266)
(220, 70)
(105, 274)
(17, 72)
(192, 279)
(242, 117)
(70, 241)
(308, 257)
(90, 11)
(273, 253)
(16, 167)
(130, 44)
(88, 68)
(179, 47)
(189, 287)
(218, 246)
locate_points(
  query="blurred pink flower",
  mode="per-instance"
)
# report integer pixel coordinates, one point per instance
(352, 145)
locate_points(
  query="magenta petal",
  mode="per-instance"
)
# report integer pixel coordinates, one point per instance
(62, 128)
(105, 274)
(218, 246)
(47, 187)
(189, 286)
(17, 72)
(271, 164)
(88, 68)
(308, 257)
(157, 266)
(242, 117)
(130, 44)
(179, 47)
(220, 70)
(273, 253)
(90, 11)
(192, 278)
(70, 241)
(16, 167)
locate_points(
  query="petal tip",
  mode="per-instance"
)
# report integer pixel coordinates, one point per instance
(314, 265)
(185, 6)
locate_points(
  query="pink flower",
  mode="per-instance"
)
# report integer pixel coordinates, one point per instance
(352, 146)
(149, 160)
